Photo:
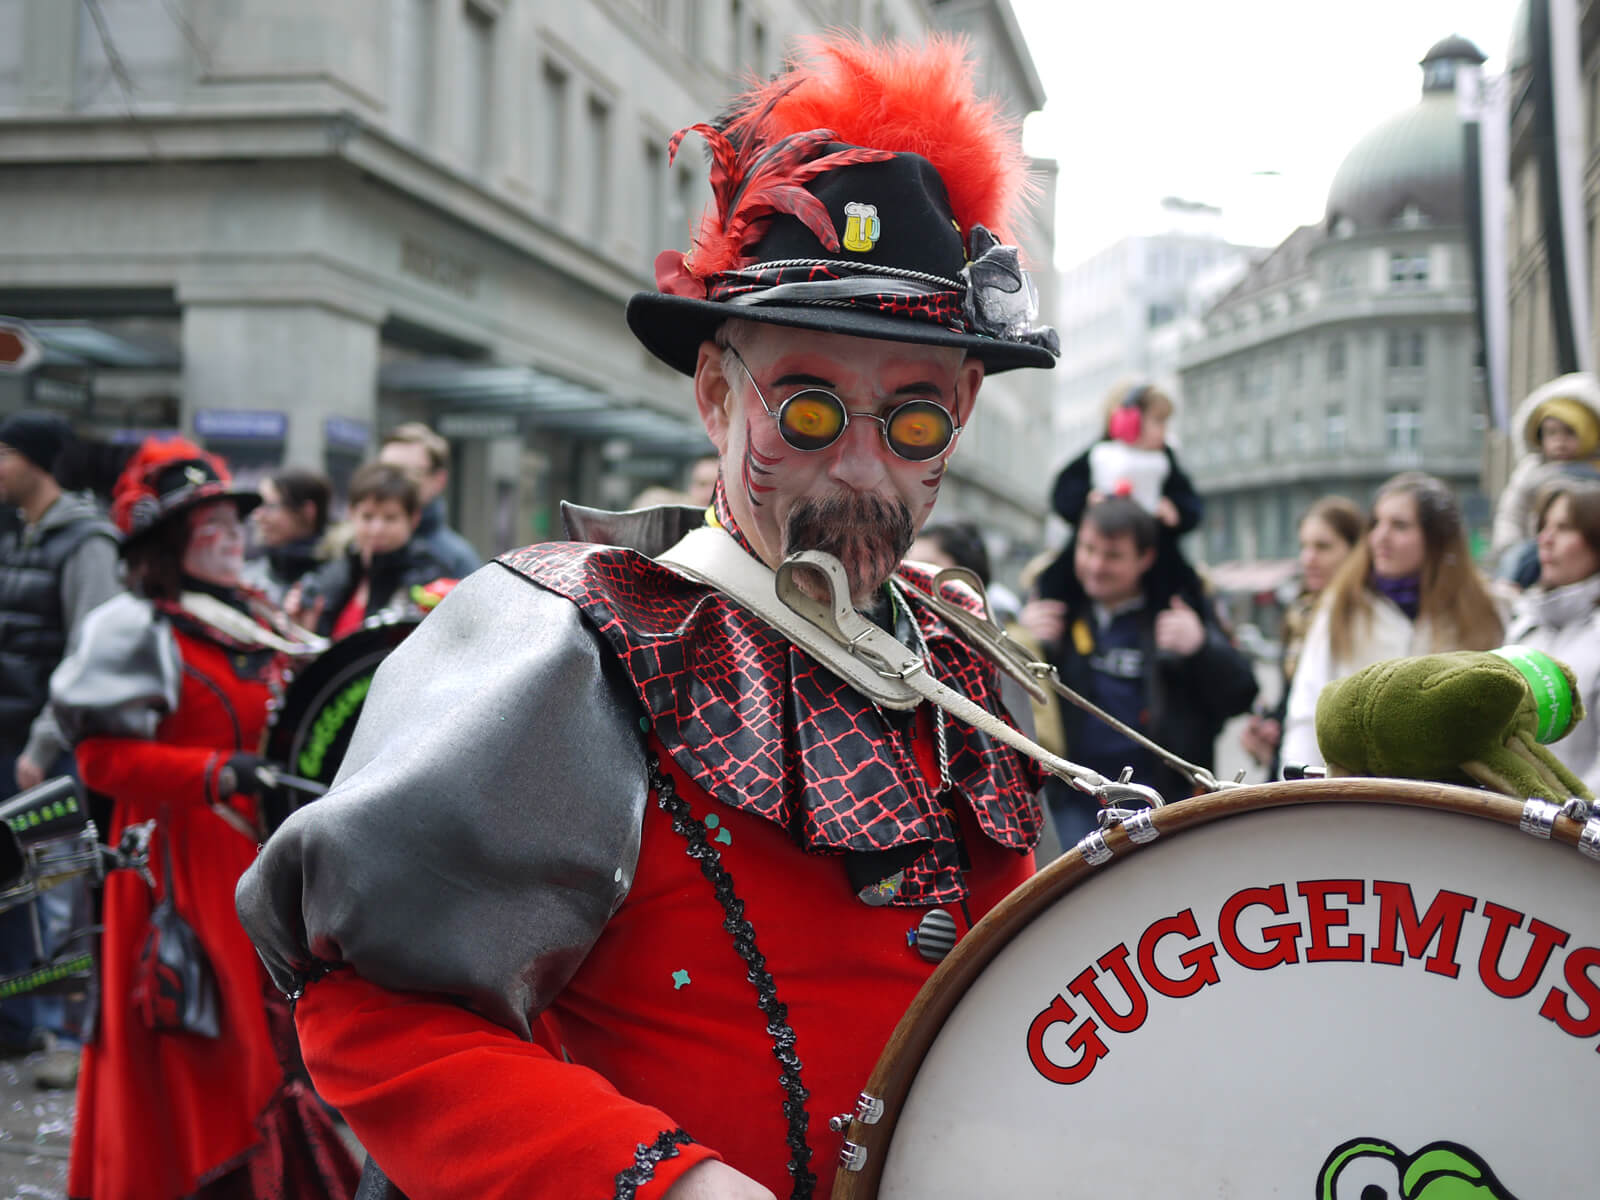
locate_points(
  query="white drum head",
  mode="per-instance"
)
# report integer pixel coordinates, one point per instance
(1353, 1049)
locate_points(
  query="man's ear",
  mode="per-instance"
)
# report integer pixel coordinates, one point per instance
(712, 395)
(1147, 559)
(969, 378)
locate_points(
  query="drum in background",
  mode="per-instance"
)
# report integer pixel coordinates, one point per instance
(1347, 989)
(312, 725)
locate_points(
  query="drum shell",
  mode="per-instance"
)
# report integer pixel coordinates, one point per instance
(312, 724)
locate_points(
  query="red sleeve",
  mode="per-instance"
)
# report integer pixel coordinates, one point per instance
(119, 766)
(450, 1104)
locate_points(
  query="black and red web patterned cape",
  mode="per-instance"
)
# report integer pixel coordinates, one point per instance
(740, 992)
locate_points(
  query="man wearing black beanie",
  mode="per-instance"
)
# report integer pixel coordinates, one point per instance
(55, 568)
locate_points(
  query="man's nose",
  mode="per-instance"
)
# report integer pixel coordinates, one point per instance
(858, 455)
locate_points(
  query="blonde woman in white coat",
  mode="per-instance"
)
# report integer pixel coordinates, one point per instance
(1561, 615)
(1408, 588)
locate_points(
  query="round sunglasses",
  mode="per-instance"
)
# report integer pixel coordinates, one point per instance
(815, 418)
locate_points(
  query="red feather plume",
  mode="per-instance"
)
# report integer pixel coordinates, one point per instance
(881, 99)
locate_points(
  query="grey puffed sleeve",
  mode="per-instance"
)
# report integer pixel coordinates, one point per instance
(484, 825)
(121, 675)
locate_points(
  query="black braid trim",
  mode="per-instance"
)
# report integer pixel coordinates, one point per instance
(744, 943)
(645, 1159)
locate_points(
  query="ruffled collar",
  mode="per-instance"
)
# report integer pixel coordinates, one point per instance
(760, 726)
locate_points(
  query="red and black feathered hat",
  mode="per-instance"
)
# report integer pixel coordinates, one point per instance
(166, 477)
(866, 191)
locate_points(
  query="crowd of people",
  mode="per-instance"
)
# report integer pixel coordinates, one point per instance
(143, 651)
(635, 837)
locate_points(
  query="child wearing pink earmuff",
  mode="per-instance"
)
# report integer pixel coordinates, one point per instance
(1133, 459)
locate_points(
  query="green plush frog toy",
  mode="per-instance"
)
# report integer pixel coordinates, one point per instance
(1373, 1169)
(1464, 717)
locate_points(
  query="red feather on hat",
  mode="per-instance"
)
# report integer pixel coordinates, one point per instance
(135, 482)
(880, 99)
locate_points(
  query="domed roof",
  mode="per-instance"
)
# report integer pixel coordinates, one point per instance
(1409, 169)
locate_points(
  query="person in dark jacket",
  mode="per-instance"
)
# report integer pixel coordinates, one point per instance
(384, 560)
(1154, 658)
(290, 524)
(56, 566)
(425, 456)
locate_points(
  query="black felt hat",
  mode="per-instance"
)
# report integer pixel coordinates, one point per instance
(167, 477)
(812, 231)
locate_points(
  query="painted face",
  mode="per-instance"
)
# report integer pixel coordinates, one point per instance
(214, 552)
(380, 526)
(1558, 441)
(1395, 539)
(276, 524)
(855, 498)
(1111, 569)
(1565, 555)
(1321, 552)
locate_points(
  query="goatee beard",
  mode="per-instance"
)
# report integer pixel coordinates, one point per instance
(867, 534)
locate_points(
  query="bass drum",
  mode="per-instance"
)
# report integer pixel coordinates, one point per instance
(311, 729)
(1341, 989)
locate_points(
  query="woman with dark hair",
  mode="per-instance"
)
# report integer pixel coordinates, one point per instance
(1561, 614)
(1408, 588)
(1330, 530)
(290, 524)
(165, 698)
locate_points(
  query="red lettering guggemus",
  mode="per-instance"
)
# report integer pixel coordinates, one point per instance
(1297, 926)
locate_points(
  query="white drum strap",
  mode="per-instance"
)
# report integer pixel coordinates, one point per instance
(868, 658)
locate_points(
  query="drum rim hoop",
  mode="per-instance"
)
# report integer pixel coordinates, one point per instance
(903, 1054)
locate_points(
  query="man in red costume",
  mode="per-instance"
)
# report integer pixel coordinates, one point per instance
(620, 892)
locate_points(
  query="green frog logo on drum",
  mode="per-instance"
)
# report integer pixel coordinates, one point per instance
(1373, 1169)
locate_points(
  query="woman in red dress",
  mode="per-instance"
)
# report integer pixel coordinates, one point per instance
(166, 698)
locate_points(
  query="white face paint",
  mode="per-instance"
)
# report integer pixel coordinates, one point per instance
(215, 550)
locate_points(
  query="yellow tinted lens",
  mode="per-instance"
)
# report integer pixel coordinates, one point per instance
(812, 420)
(919, 430)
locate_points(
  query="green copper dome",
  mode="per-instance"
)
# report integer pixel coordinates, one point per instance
(1409, 169)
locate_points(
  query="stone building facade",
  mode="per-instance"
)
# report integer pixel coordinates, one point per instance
(286, 225)
(1349, 353)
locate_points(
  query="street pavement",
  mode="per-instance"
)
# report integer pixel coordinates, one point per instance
(35, 1131)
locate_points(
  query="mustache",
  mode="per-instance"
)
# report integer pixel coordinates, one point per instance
(867, 533)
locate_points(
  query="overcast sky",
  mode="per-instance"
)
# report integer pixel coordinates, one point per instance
(1246, 104)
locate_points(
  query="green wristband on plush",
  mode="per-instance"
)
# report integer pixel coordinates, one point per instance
(1552, 697)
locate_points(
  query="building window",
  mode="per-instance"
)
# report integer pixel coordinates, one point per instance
(653, 236)
(411, 68)
(1157, 315)
(1402, 428)
(1336, 359)
(1408, 269)
(597, 142)
(758, 48)
(1300, 434)
(1297, 367)
(736, 46)
(691, 28)
(1334, 429)
(553, 86)
(1341, 276)
(475, 87)
(1406, 348)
